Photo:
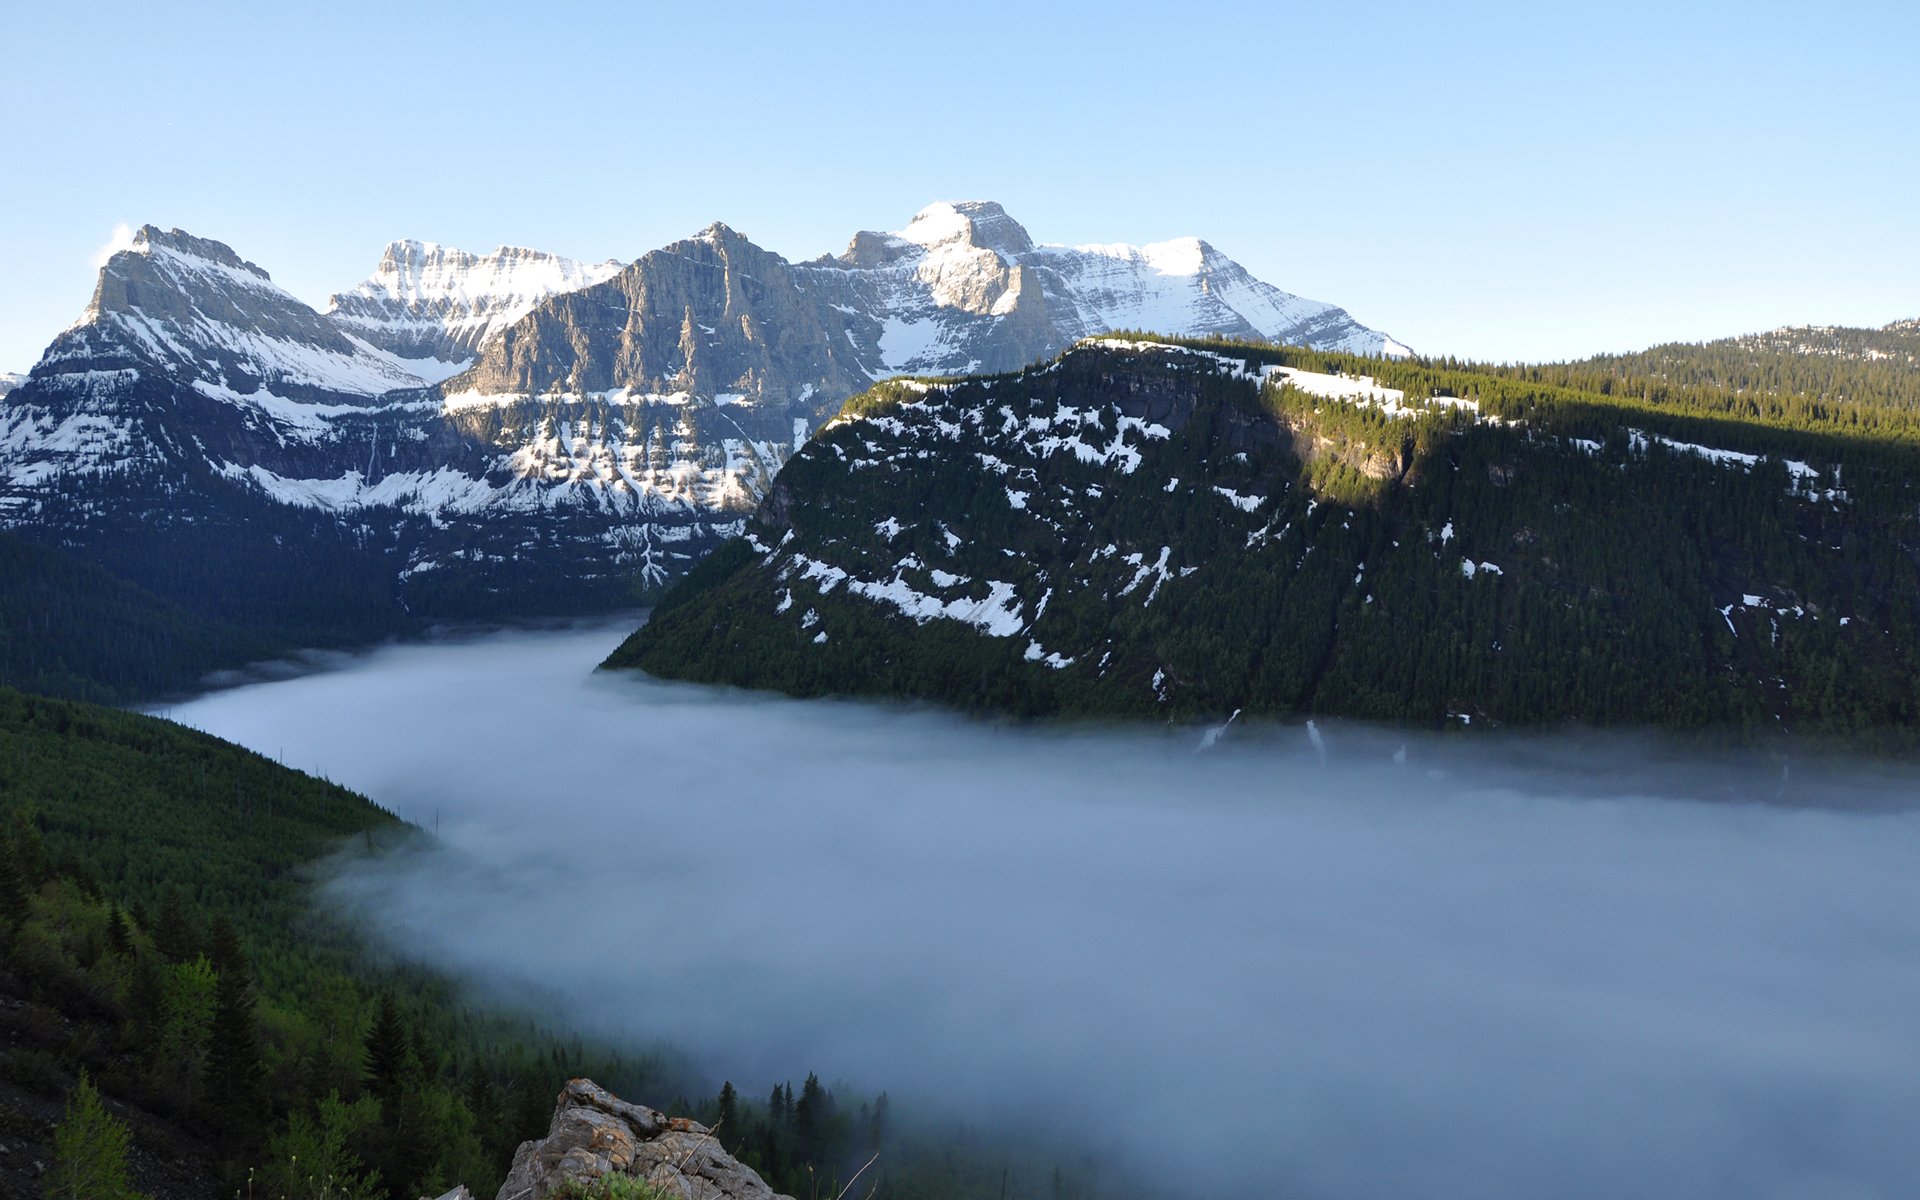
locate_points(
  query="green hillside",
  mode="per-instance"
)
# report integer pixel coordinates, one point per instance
(69, 628)
(1150, 530)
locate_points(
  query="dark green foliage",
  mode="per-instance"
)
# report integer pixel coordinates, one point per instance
(174, 936)
(253, 1036)
(1623, 562)
(387, 1051)
(90, 1151)
(235, 1099)
(727, 1115)
(69, 628)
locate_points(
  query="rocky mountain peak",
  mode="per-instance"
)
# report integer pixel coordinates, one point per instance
(425, 300)
(151, 237)
(178, 305)
(982, 224)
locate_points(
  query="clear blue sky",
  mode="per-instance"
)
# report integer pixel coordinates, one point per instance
(1509, 181)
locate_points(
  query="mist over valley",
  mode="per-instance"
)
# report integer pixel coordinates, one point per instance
(1351, 962)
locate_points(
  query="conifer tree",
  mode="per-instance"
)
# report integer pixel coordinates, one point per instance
(810, 1118)
(387, 1052)
(13, 884)
(89, 1151)
(877, 1124)
(119, 933)
(727, 1116)
(29, 851)
(235, 1075)
(175, 936)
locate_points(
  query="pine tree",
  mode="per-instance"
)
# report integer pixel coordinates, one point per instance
(236, 1074)
(482, 1101)
(810, 1118)
(175, 936)
(727, 1115)
(29, 852)
(119, 933)
(877, 1124)
(387, 1053)
(89, 1151)
(13, 884)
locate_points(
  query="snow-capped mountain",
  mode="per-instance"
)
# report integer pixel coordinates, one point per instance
(964, 288)
(715, 330)
(210, 436)
(10, 380)
(437, 305)
(204, 433)
(191, 308)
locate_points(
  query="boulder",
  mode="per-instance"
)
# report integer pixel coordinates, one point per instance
(596, 1134)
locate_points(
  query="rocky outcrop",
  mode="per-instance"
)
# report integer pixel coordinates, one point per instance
(595, 1134)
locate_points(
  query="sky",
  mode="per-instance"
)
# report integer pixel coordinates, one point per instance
(1497, 181)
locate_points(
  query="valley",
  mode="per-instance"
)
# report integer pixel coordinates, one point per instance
(1593, 966)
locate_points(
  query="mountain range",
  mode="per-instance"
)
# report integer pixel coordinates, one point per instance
(516, 433)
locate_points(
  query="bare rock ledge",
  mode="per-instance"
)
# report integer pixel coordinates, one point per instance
(596, 1134)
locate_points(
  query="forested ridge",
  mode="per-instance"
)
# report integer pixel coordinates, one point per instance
(69, 628)
(1541, 553)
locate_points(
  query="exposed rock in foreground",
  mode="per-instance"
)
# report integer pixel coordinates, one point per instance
(595, 1134)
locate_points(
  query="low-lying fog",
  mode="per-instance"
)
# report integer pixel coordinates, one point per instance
(1372, 967)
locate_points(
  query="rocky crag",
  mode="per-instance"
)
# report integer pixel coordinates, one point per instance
(596, 1135)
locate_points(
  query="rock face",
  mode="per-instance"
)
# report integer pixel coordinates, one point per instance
(429, 302)
(595, 1134)
(203, 433)
(206, 435)
(962, 290)
(177, 304)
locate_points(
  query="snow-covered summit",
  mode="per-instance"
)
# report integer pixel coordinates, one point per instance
(190, 308)
(10, 380)
(964, 287)
(428, 301)
(981, 224)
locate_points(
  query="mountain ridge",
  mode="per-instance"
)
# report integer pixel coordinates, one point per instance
(595, 429)
(1182, 531)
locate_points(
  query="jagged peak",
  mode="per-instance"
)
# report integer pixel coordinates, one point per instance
(718, 232)
(413, 252)
(149, 238)
(979, 223)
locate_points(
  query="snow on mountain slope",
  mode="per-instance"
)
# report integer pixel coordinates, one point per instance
(607, 423)
(10, 380)
(191, 308)
(427, 302)
(964, 288)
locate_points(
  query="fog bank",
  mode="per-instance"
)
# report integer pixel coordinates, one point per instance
(1385, 966)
